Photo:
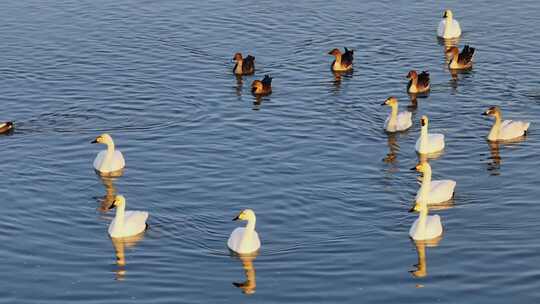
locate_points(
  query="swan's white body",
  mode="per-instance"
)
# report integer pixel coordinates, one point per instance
(507, 129)
(434, 192)
(429, 143)
(396, 122)
(245, 240)
(448, 27)
(110, 160)
(126, 223)
(425, 227)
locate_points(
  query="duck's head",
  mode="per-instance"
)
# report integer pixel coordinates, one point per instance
(424, 121)
(257, 87)
(119, 200)
(335, 52)
(390, 101)
(412, 74)
(245, 215)
(452, 51)
(237, 57)
(102, 139)
(448, 14)
(422, 167)
(493, 111)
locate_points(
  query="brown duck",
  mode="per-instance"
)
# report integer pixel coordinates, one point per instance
(6, 126)
(243, 66)
(262, 87)
(418, 83)
(343, 61)
(460, 61)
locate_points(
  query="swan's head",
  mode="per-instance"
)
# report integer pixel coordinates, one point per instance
(422, 167)
(448, 14)
(493, 111)
(103, 139)
(424, 121)
(390, 101)
(119, 200)
(335, 52)
(452, 51)
(237, 57)
(412, 74)
(245, 215)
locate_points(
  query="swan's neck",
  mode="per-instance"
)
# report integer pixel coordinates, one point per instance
(423, 137)
(392, 122)
(447, 26)
(238, 68)
(495, 129)
(108, 156)
(119, 218)
(425, 187)
(422, 218)
(250, 229)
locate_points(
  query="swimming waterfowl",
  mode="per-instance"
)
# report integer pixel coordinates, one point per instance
(448, 26)
(428, 143)
(6, 127)
(126, 223)
(343, 61)
(460, 61)
(505, 129)
(433, 192)
(243, 66)
(262, 87)
(396, 121)
(418, 83)
(425, 227)
(245, 240)
(108, 161)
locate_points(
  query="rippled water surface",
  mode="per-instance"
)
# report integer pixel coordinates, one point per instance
(332, 215)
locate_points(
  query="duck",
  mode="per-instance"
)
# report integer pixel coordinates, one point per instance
(343, 61)
(6, 126)
(417, 83)
(448, 27)
(110, 161)
(126, 223)
(262, 87)
(505, 129)
(245, 240)
(460, 61)
(433, 192)
(396, 121)
(428, 143)
(425, 227)
(243, 66)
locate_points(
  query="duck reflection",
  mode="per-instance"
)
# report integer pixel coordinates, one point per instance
(120, 245)
(339, 76)
(421, 266)
(239, 85)
(249, 285)
(110, 193)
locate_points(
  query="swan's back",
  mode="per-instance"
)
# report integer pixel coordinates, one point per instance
(404, 120)
(235, 241)
(454, 29)
(441, 191)
(134, 223)
(433, 229)
(512, 129)
(116, 163)
(435, 143)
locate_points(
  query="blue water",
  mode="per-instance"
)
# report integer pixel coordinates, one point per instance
(332, 215)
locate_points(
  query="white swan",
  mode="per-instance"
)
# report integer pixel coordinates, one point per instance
(108, 161)
(433, 192)
(244, 240)
(505, 129)
(126, 223)
(396, 121)
(428, 143)
(448, 27)
(425, 227)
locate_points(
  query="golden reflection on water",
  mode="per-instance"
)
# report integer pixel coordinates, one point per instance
(120, 245)
(421, 266)
(110, 193)
(249, 285)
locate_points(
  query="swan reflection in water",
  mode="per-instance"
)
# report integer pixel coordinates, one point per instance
(120, 245)
(393, 148)
(110, 193)
(249, 285)
(495, 160)
(421, 266)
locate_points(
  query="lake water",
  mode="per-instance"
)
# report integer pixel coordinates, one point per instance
(332, 215)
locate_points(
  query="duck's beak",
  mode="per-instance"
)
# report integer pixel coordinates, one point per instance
(383, 104)
(236, 218)
(485, 113)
